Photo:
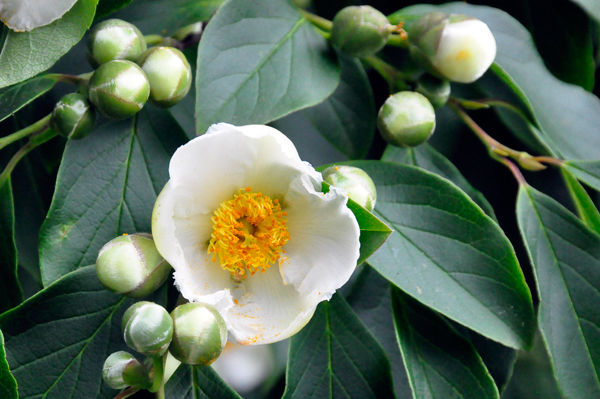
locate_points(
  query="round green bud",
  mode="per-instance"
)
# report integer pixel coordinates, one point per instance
(147, 328)
(454, 47)
(360, 31)
(436, 90)
(406, 119)
(356, 182)
(169, 74)
(200, 334)
(131, 265)
(119, 89)
(122, 370)
(115, 39)
(73, 116)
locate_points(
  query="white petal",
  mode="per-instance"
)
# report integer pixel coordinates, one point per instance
(163, 227)
(25, 15)
(466, 51)
(266, 310)
(324, 240)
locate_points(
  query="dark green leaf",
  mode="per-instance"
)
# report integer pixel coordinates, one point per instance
(563, 36)
(586, 171)
(426, 157)
(347, 117)
(370, 297)
(15, 97)
(269, 63)
(448, 254)
(106, 7)
(566, 258)
(57, 341)
(566, 117)
(10, 290)
(198, 382)
(440, 363)
(25, 54)
(165, 17)
(8, 384)
(592, 7)
(586, 209)
(335, 356)
(106, 186)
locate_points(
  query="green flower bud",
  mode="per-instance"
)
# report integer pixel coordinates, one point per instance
(122, 370)
(200, 334)
(119, 89)
(147, 328)
(130, 265)
(73, 116)
(455, 47)
(115, 39)
(436, 90)
(169, 74)
(360, 31)
(356, 182)
(406, 119)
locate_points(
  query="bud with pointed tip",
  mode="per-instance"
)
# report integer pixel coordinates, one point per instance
(200, 334)
(356, 182)
(406, 119)
(115, 39)
(130, 265)
(119, 89)
(147, 328)
(122, 370)
(455, 47)
(360, 31)
(73, 116)
(169, 74)
(436, 90)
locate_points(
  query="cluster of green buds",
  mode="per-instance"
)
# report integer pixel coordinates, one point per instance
(127, 74)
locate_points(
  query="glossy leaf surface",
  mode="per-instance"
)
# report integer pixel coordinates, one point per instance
(8, 384)
(17, 96)
(198, 382)
(10, 289)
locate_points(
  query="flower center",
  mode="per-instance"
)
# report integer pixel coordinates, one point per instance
(249, 231)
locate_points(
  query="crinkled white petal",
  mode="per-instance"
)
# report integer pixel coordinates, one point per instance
(324, 240)
(25, 15)
(466, 51)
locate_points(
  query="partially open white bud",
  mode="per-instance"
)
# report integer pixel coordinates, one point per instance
(454, 47)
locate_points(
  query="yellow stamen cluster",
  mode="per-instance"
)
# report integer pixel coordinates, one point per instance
(249, 231)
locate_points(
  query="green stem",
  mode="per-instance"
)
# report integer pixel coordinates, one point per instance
(319, 22)
(549, 160)
(395, 78)
(153, 39)
(37, 127)
(127, 393)
(71, 79)
(398, 41)
(33, 142)
(159, 367)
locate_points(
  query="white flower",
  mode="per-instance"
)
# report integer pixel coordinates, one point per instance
(466, 51)
(25, 15)
(244, 224)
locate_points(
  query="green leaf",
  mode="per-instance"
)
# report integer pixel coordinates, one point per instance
(586, 209)
(566, 258)
(566, 117)
(15, 97)
(426, 157)
(347, 117)
(592, 7)
(107, 185)
(258, 61)
(370, 297)
(448, 254)
(335, 356)
(25, 54)
(440, 363)
(586, 171)
(10, 289)
(198, 382)
(57, 341)
(165, 17)
(8, 384)
(106, 7)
